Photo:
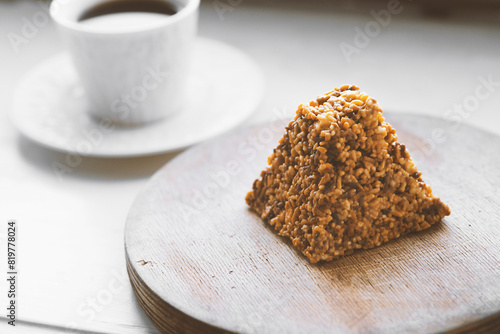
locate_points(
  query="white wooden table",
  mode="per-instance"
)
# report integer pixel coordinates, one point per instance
(70, 249)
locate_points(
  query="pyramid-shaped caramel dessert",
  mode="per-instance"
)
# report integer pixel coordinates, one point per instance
(340, 181)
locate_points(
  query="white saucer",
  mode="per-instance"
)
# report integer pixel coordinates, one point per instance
(49, 107)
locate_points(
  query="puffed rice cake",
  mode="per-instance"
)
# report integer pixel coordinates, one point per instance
(339, 180)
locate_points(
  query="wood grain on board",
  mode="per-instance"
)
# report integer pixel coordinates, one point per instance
(200, 261)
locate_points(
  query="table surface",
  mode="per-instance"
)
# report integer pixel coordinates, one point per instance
(72, 274)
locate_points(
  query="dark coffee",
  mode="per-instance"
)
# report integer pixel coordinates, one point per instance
(129, 6)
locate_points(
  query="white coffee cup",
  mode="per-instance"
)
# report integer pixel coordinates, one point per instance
(131, 74)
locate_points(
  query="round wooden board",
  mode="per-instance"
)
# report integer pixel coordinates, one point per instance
(200, 261)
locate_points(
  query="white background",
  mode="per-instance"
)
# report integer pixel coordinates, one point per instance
(71, 252)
